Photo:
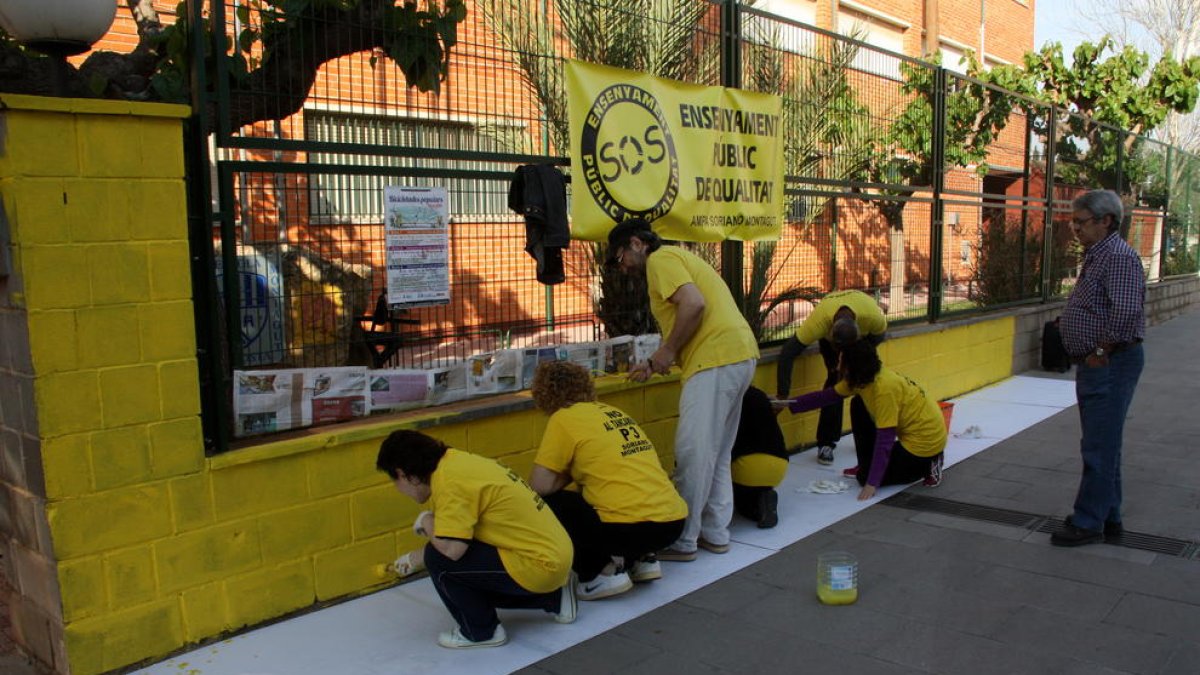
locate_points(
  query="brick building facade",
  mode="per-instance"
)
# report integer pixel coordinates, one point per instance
(336, 217)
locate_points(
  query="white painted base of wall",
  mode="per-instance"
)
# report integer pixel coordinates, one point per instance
(395, 630)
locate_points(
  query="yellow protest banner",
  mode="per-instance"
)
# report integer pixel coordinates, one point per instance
(701, 163)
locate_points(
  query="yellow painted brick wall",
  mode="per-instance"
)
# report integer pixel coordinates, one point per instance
(94, 197)
(159, 547)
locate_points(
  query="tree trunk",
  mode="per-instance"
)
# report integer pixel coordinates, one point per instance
(896, 300)
(893, 215)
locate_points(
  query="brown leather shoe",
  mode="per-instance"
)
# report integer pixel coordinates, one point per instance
(675, 555)
(711, 547)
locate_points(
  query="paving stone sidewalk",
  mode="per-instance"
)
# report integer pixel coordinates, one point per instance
(946, 593)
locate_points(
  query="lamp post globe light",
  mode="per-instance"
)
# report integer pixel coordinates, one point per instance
(59, 28)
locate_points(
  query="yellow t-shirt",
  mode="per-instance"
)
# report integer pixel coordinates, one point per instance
(474, 497)
(723, 337)
(613, 461)
(896, 401)
(868, 316)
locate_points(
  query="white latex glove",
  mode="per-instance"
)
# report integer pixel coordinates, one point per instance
(405, 565)
(418, 524)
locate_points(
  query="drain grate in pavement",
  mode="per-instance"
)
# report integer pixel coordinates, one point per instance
(1038, 523)
(1142, 542)
(949, 507)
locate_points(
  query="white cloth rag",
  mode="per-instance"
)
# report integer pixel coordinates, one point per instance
(826, 486)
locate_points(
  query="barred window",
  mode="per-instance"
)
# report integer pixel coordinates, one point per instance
(879, 34)
(345, 198)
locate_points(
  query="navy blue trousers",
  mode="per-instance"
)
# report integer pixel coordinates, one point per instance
(473, 587)
(1104, 394)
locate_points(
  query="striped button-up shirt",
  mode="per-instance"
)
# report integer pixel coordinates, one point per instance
(1107, 305)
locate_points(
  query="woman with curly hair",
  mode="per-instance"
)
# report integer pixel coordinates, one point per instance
(899, 431)
(626, 507)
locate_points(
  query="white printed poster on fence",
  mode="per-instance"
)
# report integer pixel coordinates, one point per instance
(417, 237)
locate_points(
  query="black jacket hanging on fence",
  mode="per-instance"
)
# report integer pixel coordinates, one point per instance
(539, 193)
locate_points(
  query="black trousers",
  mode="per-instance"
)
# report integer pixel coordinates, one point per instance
(746, 500)
(902, 467)
(596, 542)
(829, 423)
(475, 585)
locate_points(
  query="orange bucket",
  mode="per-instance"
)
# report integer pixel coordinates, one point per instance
(947, 410)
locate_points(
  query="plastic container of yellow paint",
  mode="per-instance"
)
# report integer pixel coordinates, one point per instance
(837, 578)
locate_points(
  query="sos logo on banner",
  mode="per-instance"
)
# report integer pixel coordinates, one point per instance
(628, 153)
(702, 163)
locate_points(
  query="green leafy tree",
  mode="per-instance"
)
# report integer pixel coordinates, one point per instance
(1117, 90)
(272, 63)
(975, 116)
(1110, 85)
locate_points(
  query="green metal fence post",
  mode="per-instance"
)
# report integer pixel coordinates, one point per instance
(1021, 280)
(215, 421)
(1164, 231)
(1048, 195)
(938, 208)
(732, 265)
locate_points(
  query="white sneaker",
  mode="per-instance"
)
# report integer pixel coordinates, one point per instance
(454, 639)
(646, 569)
(603, 586)
(568, 607)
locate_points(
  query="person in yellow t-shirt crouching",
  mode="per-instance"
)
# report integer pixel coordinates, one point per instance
(626, 508)
(899, 431)
(493, 543)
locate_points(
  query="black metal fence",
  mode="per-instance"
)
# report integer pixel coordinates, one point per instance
(880, 195)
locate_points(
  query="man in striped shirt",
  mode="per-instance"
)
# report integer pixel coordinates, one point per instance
(1102, 327)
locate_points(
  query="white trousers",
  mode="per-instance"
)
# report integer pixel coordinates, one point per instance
(710, 408)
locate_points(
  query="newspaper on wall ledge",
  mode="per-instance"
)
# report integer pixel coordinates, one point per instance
(618, 354)
(644, 346)
(449, 383)
(277, 400)
(494, 372)
(530, 358)
(265, 401)
(590, 355)
(400, 389)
